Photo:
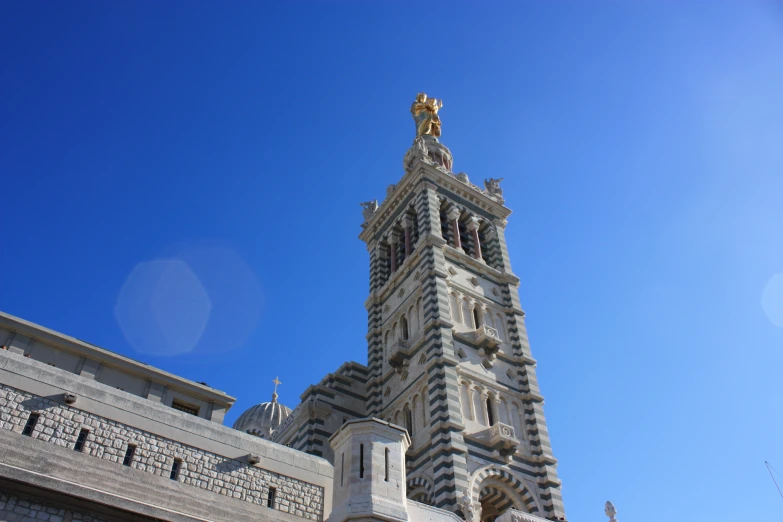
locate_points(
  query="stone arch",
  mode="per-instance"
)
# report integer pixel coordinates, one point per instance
(492, 476)
(419, 487)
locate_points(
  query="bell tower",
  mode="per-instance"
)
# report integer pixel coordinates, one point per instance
(448, 354)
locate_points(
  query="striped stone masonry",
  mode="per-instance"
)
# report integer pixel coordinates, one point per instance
(461, 256)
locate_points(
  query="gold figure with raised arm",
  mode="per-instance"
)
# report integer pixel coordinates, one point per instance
(425, 114)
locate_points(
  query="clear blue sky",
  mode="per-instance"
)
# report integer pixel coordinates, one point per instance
(181, 184)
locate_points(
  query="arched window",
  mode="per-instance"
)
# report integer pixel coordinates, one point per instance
(477, 316)
(404, 328)
(490, 414)
(406, 412)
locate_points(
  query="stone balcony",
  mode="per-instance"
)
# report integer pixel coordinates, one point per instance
(500, 437)
(512, 515)
(486, 339)
(399, 354)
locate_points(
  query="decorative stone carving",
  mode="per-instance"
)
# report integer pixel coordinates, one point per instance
(430, 151)
(417, 151)
(463, 177)
(369, 208)
(503, 439)
(610, 511)
(468, 509)
(390, 190)
(493, 188)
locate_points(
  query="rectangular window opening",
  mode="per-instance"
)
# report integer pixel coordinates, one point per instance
(175, 469)
(187, 408)
(32, 420)
(79, 446)
(342, 469)
(386, 462)
(129, 456)
(361, 460)
(270, 498)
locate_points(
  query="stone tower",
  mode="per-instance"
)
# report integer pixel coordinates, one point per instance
(448, 354)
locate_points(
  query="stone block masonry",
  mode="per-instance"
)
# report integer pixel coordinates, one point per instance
(22, 508)
(60, 425)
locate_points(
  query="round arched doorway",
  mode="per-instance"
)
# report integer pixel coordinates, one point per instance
(496, 498)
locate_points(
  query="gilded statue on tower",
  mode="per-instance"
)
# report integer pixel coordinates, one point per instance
(425, 114)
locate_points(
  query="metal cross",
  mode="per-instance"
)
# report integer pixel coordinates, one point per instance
(276, 381)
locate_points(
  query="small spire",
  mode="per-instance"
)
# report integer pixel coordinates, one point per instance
(274, 393)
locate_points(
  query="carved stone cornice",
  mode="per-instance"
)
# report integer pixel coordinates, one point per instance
(419, 173)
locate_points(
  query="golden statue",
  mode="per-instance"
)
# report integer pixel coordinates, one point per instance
(425, 114)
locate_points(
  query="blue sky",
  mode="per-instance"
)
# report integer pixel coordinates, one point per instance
(181, 184)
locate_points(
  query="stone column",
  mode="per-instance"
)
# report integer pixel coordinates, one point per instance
(393, 252)
(484, 409)
(472, 402)
(473, 226)
(454, 219)
(406, 225)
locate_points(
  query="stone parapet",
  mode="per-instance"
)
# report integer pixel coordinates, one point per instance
(213, 458)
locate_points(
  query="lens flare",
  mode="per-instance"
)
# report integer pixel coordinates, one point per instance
(772, 299)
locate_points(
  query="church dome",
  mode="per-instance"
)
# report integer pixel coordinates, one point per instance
(263, 419)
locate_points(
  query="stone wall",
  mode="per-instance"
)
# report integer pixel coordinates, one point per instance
(22, 508)
(60, 424)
